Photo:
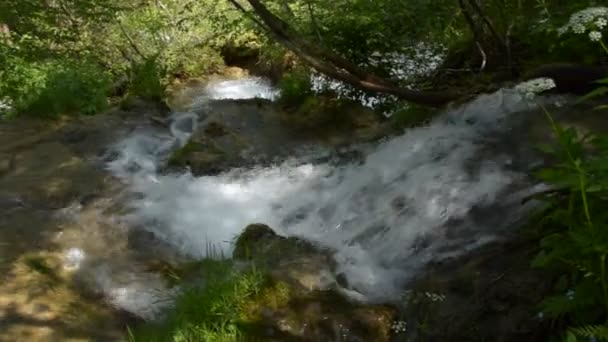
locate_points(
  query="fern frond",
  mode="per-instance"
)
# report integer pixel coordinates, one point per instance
(599, 332)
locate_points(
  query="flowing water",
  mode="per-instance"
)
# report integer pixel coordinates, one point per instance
(434, 192)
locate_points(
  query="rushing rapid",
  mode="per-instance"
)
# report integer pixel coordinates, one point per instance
(433, 192)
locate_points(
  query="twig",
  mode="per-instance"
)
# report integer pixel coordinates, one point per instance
(483, 55)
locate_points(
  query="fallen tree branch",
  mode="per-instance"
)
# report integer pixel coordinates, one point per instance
(334, 65)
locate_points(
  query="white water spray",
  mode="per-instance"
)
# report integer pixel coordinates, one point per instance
(416, 198)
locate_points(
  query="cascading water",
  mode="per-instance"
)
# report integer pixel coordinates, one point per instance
(431, 193)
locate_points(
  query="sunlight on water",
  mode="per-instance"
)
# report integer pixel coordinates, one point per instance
(416, 198)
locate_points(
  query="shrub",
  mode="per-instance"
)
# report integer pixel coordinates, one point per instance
(410, 115)
(54, 87)
(146, 81)
(295, 87)
(578, 243)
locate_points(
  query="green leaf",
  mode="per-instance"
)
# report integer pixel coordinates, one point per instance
(593, 94)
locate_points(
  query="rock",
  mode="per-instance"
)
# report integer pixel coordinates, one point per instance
(74, 136)
(294, 261)
(203, 157)
(322, 316)
(491, 295)
(51, 175)
(215, 129)
(234, 72)
(6, 163)
(238, 133)
(301, 301)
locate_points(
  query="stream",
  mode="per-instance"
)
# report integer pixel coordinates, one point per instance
(434, 192)
(91, 212)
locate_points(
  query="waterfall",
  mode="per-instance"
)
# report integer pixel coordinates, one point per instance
(434, 192)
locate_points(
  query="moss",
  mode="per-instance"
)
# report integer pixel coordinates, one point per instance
(326, 115)
(410, 116)
(245, 243)
(178, 158)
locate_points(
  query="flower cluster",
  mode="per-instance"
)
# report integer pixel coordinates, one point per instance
(399, 327)
(592, 19)
(536, 86)
(417, 297)
(434, 297)
(5, 105)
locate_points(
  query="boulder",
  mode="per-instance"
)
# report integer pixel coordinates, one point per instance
(50, 175)
(301, 301)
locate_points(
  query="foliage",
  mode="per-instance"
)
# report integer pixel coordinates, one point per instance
(410, 116)
(146, 80)
(581, 247)
(48, 88)
(149, 42)
(212, 312)
(295, 87)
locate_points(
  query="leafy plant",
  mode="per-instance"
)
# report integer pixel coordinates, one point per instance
(54, 87)
(295, 87)
(146, 81)
(211, 312)
(581, 246)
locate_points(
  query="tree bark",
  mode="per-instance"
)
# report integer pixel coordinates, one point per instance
(334, 65)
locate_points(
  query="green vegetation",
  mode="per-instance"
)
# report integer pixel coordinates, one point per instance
(212, 312)
(102, 48)
(295, 87)
(68, 57)
(75, 57)
(576, 236)
(225, 307)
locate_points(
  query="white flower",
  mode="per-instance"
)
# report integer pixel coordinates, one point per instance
(536, 86)
(434, 297)
(578, 28)
(5, 105)
(583, 20)
(570, 294)
(399, 327)
(595, 36)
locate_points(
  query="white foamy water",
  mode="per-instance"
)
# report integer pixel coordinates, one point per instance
(246, 88)
(425, 195)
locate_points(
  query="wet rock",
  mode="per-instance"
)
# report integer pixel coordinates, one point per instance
(302, 302)
(323, 316)
(234, 72)
(491, 294)
(74, 135)
(6, 163)
(50, 174)
(203, 157)
(292, 260)
(239, 133)
(215, 130)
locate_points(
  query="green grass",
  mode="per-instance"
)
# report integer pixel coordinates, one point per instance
(210, 312)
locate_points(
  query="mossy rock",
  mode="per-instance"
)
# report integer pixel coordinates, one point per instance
(279, 314)
(338, 121)
(202, 157)
(295, 305)
(301, 264)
